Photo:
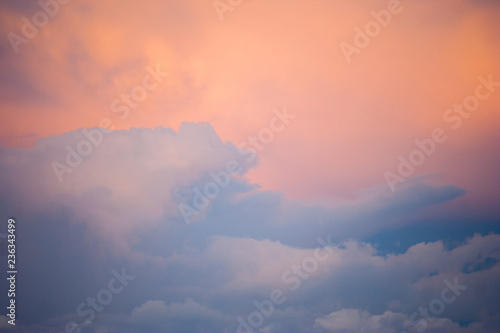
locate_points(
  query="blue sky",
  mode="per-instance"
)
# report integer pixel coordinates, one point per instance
(251, 166)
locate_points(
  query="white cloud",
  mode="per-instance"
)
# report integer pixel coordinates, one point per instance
(152, 311)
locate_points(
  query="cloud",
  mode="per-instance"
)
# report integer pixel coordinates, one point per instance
(188, 316)
(225, 73)
(352, 320)
(119, 207)
(321, 177)
(358, 321)
(125, 182)
(354, 276)
(133, 179)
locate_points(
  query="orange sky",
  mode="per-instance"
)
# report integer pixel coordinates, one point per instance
(353, 119)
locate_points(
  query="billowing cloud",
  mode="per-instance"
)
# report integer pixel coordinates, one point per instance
(121, 205)
(232, 73)
(119, 182)
(235, 167)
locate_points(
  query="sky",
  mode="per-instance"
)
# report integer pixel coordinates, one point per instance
(200, 166)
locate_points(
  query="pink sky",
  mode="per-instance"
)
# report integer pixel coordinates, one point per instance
(353, 120)
(156, 195)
